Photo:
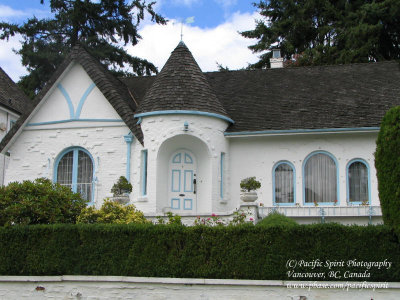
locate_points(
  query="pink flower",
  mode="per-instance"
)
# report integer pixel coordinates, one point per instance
(208, 219)
(213, 215)
(251, 219)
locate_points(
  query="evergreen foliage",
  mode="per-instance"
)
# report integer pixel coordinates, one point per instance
(100, 26)
(319, 32)
(277, 219)
(38, 202)
(112, 212)
(121, 186)
(387, 164)
(235, 252)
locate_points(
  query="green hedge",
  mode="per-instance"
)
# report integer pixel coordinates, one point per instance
(241, 252)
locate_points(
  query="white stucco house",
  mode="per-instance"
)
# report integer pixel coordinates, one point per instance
(185, 139)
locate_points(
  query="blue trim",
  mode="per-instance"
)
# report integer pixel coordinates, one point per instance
(74, 120)
(144, 173)
(191, 181)
(188, 159)
(184, 204)
(337, 179)
(83, 99)
(320, 130)
(139, 121)
(68, 99)
(348, 183)
(172, 203)
(128, 139)
(221, 187)
(75, 151)
(183, 112)
(172, 181)
(177, 159)
(294, 183)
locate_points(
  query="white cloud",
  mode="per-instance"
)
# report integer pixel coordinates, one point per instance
(10, 62)
(184, 2)
(9, 14)
(222, 44)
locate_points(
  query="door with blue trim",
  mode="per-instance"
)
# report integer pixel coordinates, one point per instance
(182, 182)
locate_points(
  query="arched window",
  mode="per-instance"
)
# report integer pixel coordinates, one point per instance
(320, 179)
(357, 182)
(283, 185)
(74, 168)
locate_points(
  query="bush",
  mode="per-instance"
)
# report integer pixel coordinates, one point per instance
(112, 212)
(121, 186)
(387, 164)
(277, 219)
(233, 252)
(38, 202)
(250, 184)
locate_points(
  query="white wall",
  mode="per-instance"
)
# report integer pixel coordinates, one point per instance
(118, 287)
(256, 156)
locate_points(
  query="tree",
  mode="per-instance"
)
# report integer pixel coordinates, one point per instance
(387, 164)
(97, 25)
(327, 31)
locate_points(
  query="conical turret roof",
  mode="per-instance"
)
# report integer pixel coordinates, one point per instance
(181, 86)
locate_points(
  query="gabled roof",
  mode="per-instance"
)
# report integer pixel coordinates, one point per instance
(323, 97)
(11, 97)
(181, 86)
(112, 88)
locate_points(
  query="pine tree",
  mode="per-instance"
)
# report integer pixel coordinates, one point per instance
(319, 32)
(99, 26)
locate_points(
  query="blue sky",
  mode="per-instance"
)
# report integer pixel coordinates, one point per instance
(212, 37)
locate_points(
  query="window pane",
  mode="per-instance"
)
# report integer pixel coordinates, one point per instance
(320, 179)
(85, 175)
(64, 169)
(358, 182)
(284, 186)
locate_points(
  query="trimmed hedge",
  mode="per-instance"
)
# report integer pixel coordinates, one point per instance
(238, 252)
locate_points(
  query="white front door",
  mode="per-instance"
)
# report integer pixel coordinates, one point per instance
(182, 182)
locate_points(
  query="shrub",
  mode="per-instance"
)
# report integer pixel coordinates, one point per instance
(172, 219)
(112, 212)
(38, 202)
(121, 186)
(250, 184)
(277, 219)
(387, 164)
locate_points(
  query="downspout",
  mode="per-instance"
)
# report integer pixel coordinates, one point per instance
(128, 139)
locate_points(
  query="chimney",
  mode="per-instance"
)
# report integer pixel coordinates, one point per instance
(276, 60)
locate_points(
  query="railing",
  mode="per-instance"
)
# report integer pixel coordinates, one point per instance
(323, 212)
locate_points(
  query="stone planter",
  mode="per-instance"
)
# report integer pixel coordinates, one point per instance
(249, 196)
(122, 199)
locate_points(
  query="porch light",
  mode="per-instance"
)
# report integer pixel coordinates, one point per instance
(185, 126)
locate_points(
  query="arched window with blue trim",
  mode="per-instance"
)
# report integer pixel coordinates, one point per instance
(74, 168)
(320, 178)
(357, 181)
(283, 183)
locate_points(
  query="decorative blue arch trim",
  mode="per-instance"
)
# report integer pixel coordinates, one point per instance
(337, 178)
(74, 120)
(68, 99)
(83, 99)
(294, 182)
(300, 131)
(75, 168)
(183, 112)
(348, 183)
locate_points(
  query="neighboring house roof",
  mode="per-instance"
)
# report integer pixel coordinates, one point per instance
(112, 88)
(11, 97)
(323, 97)
(181, 85)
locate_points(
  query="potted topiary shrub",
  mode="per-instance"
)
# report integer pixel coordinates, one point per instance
(121, 190)
(249, 186)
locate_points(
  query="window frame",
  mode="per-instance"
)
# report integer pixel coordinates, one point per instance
(144, 173)
(337, 179)
(75, 150)
(273, 183)
(348, 181)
